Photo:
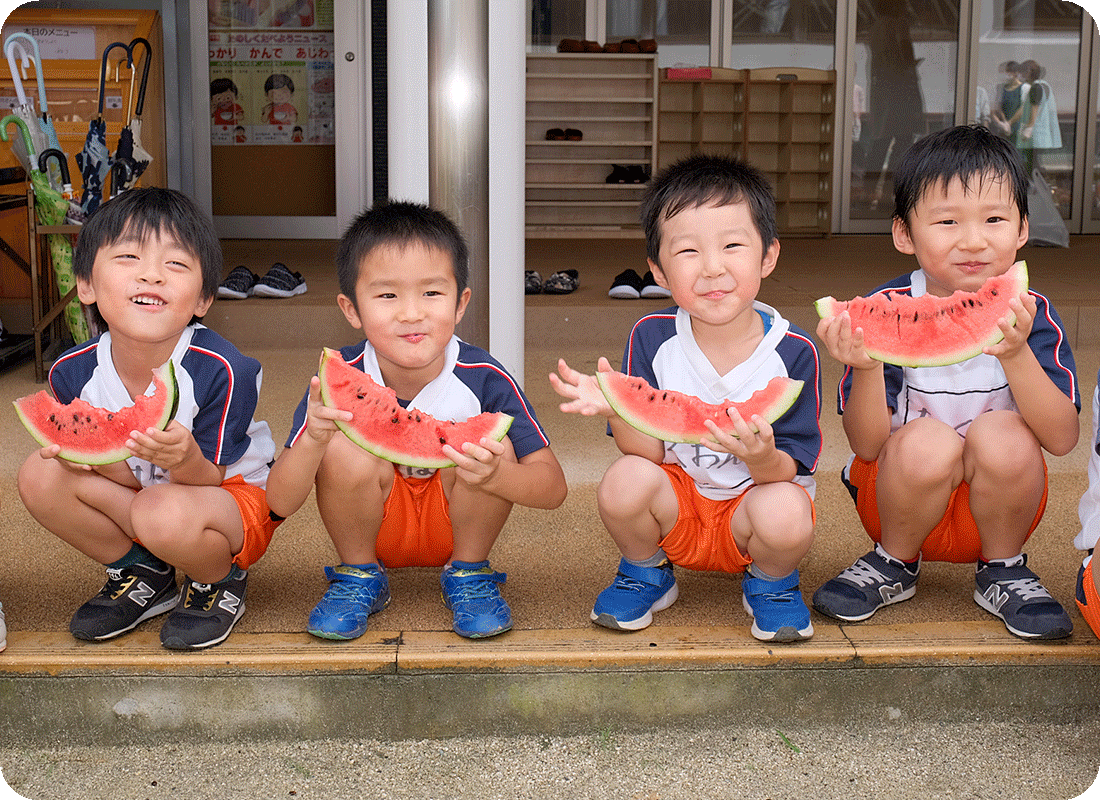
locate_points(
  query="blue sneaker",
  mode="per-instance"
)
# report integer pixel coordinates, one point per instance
(629, 602)
(352, 596)
(779, 614)
(471, 591)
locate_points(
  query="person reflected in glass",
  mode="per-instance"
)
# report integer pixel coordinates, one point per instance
(1038, 129)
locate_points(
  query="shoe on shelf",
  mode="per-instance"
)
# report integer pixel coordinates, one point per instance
(238, 284)
(873, 581)
(620, 173)
(570, 46)
(627, 285)
(779, 614)
(573, 135)
(130, 596)
(629, 603)
(650, 287)
(564, 281)
(532, 282)
(206, 612)
(555, 135)
(280, 282)
(353, 594)
(1014, 594)
(637, 173)
(472, 592)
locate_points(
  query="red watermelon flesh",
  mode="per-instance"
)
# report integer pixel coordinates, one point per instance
(381, 426)
(90, 435)
(930, 331)
(677, 417)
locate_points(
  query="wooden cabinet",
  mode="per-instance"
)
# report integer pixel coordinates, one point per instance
(789, 135)
(700, 110)
(610, 98)
(779, 120)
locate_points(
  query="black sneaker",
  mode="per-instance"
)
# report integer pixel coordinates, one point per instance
(280, 282)
(627, 285)
(206, 613)
(650, 287)
(130, 596)
(238, 284)
(873, 581)
(1024, 605)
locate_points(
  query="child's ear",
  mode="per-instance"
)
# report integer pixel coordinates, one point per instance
(658, 273)
(771, 258)
(203, 305)
(463, 302)
(347, 305)
(85, 292)
(1025, 234)
(903, 242)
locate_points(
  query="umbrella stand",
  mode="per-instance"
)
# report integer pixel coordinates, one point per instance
(50, 208)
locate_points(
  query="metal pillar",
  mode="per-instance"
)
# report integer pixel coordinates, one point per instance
(458, 139)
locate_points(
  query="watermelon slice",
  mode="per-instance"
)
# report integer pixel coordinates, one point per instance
(930, 331)
(90, 435)
(381, 426)
(676, 417)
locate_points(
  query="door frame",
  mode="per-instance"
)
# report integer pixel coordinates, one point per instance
(351, 56)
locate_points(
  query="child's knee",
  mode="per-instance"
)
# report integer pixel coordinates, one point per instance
(157, 512)
(38, 481)
(924, 450)
(348, 468)
(1000, 444)
(630, 481)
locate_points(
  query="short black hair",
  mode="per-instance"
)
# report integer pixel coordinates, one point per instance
(966, 152)
(703, 179)
(219, 85)
(401, 224)
(278, 81)
(145, 212)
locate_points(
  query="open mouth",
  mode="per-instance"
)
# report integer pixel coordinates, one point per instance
(147, 300)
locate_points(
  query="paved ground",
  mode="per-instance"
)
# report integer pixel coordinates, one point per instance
(883, 759)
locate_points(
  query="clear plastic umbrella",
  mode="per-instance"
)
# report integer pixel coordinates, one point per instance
(45, 121)
(50, 208)
(25, 106)
(94, 159)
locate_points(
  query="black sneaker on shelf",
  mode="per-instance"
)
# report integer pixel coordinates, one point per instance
(626, 286)
(206, 613)
(130, 596)
(280, 282)
(650, 287)
(238, 284)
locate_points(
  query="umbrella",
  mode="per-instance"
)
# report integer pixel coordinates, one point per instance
(24, 109)
(75, 214)
(50, 209)
(45, 121)
(94, 160)
(129, 140)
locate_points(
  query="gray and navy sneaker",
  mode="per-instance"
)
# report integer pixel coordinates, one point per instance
(206, 612)
(873, 581)
(1014, 594)
(238, 284)
(130, 596)
(280, 282)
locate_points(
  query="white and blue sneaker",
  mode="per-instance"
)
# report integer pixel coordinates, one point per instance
(629, 602)
(779, 614)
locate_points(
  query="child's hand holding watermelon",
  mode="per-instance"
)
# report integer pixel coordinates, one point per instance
(582, 391)
(320, 419)
(1015, 333)
(843, 343)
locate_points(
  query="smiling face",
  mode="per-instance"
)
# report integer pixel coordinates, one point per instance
(963, 235)
(712, 260)
(147, 291)
(407, 304)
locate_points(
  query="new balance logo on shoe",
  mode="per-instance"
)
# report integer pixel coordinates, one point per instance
(890, 593)
(142, 593)
(229, 602)
(995, 597)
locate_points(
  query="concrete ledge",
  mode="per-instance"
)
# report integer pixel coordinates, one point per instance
(401, 685)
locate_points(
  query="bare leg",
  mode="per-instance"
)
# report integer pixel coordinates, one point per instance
(352, 487)
(638, 506)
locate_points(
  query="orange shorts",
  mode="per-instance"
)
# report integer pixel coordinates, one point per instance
(416, 524)
(702, 538)
(954, 539)
(259, 525)
(1090, 610)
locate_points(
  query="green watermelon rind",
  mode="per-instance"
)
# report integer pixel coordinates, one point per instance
(830, 307)
(771, 413)
(497, 432)
(165, 375)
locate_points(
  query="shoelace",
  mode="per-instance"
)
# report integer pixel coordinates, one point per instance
(200, 594)
(1025, 588)
(786, 596)
(357, 592)
(862, 574)
(477, 586)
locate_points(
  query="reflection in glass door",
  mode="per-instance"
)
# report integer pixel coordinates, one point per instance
(1027, 59)
(905, 65)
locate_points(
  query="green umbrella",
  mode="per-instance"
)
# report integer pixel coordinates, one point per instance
(50, 209)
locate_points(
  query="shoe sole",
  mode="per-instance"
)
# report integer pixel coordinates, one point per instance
(1054, 633)
(664, 601)
(174, 643)
(624, 293)
(162, 607)
(905, 595)
(229, 294)
(786, 633)
(267, 291)
(656, 292)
